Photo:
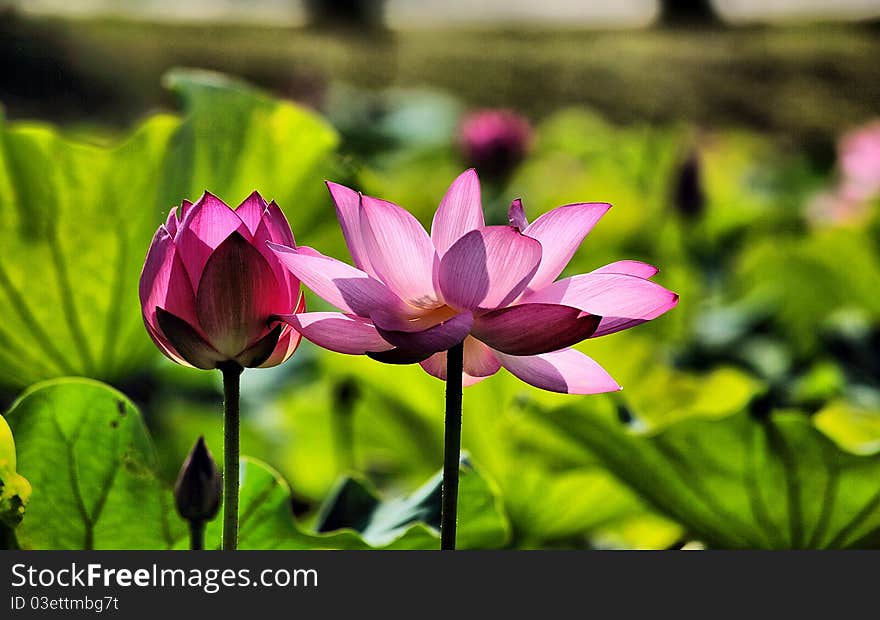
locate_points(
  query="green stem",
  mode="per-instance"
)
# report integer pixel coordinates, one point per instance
(231, 394)
(451, 446)
(196, 535)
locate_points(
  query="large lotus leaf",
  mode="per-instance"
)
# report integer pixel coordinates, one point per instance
(76, 222)
(481, 520)
(77, 218)
(88, 455)
(810, 279)
(740, 481)
(398, 443)
(93, 468)
(749, 182)
(237, 139)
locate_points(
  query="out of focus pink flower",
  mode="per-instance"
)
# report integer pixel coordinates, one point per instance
(494, 141)
(211, 287)
(859, 161)
(413, 296)
(858, 183)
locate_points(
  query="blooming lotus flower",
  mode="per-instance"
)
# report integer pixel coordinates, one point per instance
(211, 286)
(494, 141)
(412, 296)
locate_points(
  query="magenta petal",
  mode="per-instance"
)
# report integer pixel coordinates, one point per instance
(621, 300)
(531, 329)
(398, 356)
(479, 363)
(516, 215)
(206, 225)
(186, 341)
(260, 351)
(630, 268)
(164, 282)
(185, 206)
(348, 204)
(163, 345)
(273, 226)
(400, 251)
(279, 227)
(289, 341)
(250, 211)
(171, 222)
(437, 338)
(349, 289)
(237, 294)
(287, 344)
(343, 333)
(567, 371)
(460, 212)
(560, 232)
(488, 268)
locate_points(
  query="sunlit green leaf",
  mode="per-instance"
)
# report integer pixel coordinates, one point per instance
(76, 223)
(85, 450)
(741, 482)
(482, 524)
(76, 219)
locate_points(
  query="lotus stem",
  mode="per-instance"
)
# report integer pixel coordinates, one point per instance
(196, 535)
(231, 396)
(451, 447)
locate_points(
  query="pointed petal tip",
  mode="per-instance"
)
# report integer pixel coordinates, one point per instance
(277, 247)
(516, 215)
(207, 194)
(255, 194)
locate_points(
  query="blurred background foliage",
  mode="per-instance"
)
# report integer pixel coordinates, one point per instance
(750, 415)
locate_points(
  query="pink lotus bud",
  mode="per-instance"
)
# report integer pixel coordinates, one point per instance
(494, 141)
(211, 287)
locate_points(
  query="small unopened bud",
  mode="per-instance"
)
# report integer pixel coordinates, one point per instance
(689, 197)
(345, 394)
(199, 487)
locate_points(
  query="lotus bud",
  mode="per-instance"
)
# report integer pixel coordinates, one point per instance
(199, 487)
(211, 287)
(689, 197)
(494, 141)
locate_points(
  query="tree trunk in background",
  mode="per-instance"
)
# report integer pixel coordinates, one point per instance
(694, 13)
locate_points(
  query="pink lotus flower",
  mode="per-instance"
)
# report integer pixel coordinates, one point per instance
(494, 141)
(412, 297)
(210, 286)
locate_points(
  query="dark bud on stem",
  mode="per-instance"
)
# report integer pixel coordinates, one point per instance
(345, 394)
(199, 487)
(688, 197)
